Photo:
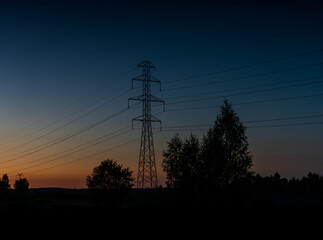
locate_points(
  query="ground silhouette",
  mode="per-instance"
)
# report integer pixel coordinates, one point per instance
(252, 193)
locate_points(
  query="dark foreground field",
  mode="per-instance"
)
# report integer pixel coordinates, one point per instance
(55, 199)
(155, 208)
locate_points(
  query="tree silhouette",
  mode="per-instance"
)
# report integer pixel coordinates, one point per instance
(4, 183)
(109, 182)
(21, 184)
(312, 184)
(110, 175)
(182, 162)
(225, 149)
(220, 159)
(171, 161)
(191, 162)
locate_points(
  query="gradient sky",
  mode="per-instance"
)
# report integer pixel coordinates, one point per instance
(65, 65)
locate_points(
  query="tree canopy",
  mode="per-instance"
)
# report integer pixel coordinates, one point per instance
(109, 175)
(21, 184)
(220, 158)
(225, 148)
(4, 183)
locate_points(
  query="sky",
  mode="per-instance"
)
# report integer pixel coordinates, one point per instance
(66, 70)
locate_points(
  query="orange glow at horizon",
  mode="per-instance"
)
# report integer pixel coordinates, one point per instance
(43, 171)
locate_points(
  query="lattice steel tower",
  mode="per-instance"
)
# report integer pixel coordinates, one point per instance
(147, 174)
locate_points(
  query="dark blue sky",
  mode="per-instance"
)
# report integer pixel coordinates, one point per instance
(60, 60)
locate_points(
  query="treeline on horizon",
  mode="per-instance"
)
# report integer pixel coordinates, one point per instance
(252, 191)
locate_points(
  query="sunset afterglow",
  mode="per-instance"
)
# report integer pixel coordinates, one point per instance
(66, 70)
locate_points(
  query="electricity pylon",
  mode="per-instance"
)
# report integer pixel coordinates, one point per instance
(147, 174)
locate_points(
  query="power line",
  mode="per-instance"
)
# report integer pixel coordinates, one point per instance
(71, 153)
(83, 146)
(68, 123)
(245, 93)
(248, 127)
(237, 47)
(247, 103)
(243, 88)
(184, 128)
(66, 137)
(288, 125)
(251, 121)
(71, 104)
(88, 156)
(212, 54)
(284, 119)
(244, 77)
(247, 66)
(73, 113)
(127, 129)
(171, 128)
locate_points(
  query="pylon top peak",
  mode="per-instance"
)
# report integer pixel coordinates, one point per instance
(146, 63)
